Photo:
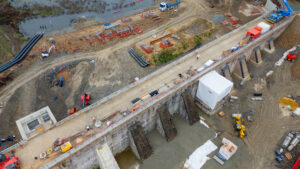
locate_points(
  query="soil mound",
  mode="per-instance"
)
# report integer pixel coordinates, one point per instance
(295, 68)
(291, 36)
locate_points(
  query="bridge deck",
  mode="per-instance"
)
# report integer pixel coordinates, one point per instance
(40, 143)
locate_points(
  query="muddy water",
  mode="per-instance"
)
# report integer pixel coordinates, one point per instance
(169, 155)
(90, 12)
(127, 160)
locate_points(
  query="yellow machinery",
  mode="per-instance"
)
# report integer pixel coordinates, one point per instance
(239, 126)
(66, 147)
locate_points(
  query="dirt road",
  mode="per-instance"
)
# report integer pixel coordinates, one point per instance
(38, 69)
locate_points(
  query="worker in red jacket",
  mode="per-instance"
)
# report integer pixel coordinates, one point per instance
(85, 98)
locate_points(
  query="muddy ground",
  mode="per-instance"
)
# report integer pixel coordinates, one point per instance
(106, 75)
(101, 78)
(269, 127)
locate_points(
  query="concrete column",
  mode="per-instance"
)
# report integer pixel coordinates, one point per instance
(256, 55)
(139, 142)
(165, 125)
(270, 47)
(190, 107)
(106, 158)
(241, 69)
(226, 72)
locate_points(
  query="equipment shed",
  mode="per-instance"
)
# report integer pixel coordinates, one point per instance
(212, 88)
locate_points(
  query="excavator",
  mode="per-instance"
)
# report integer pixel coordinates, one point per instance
(290, 54)
(239, 126)
(280, 13)
(9, 162)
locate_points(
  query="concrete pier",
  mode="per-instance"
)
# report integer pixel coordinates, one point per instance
(226, 72)
(165, 121)
(256, 56)
(106, 158)
(191, 109)
(270, 47)
(140, 142)
(241, 70)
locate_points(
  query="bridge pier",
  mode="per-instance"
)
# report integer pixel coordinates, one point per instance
(241, 69)
(139, 142)
(270, 47)
(226, 72)
(165, 125)
(106, 158)
(256, 55)
(190, 107)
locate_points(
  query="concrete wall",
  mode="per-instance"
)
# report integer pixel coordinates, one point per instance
(117, 137)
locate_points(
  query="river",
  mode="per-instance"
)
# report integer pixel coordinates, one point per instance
(87, 12)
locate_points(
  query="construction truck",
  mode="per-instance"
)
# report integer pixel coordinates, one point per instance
(9, 162)
(280, 13)
(164, 6)
(239, 126)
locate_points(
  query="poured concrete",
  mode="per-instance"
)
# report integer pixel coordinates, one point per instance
(106, 158)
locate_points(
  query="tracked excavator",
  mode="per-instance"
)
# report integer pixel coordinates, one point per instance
(9, 162)
(280, 13)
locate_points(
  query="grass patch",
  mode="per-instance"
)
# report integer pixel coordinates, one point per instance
(166, 55)
(197, 40)
(167, 27)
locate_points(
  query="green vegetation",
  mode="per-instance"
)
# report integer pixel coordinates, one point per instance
(167, 27)
(167, 55)
(185, 45)
(48, 12)
(198, 40)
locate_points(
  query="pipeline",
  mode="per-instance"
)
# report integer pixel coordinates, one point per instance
(141, 61)
(22, 53)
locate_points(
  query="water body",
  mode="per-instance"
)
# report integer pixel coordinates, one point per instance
(93, 12)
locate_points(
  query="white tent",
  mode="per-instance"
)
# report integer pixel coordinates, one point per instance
(212, 88)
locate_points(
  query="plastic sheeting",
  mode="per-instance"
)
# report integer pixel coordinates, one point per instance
(212, 88)
(265, 27)
(270, 6)
(199, 157)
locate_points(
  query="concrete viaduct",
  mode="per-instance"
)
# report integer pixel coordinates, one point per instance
(178, 96)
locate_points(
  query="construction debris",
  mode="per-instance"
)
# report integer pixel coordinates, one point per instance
(227, 150)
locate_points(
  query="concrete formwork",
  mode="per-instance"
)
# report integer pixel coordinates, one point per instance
(165, 124)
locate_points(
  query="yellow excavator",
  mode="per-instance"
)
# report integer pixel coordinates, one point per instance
(239, 126)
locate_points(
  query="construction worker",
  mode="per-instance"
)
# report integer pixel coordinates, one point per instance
(73, 110)
(197, 54)
(85, 98)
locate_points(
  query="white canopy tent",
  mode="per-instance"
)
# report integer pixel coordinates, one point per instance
(212, 88)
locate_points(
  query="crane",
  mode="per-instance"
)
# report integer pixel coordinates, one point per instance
(164, 6)
(280, 13)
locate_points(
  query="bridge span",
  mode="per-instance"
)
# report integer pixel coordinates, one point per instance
(120, 123)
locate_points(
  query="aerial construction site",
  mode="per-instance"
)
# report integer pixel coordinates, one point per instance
(150, 84)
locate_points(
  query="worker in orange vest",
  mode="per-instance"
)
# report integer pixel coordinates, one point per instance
(73, 110)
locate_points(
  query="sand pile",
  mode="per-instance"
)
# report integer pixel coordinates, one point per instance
(291, 36)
